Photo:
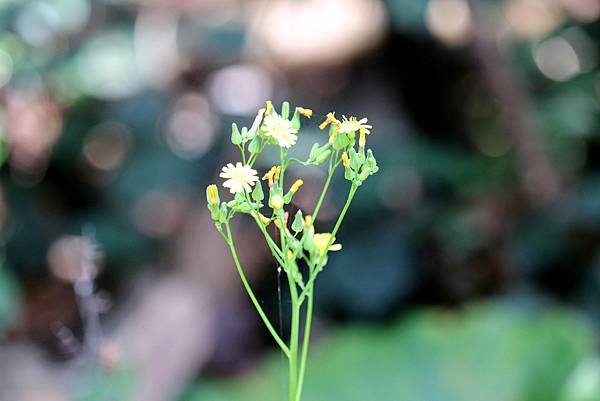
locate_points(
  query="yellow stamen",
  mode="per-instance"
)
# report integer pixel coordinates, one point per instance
(269, 106)
(290, 255)
(330, 119)
(345, 160)
(305, 112)
(362, 139)
(296, 186)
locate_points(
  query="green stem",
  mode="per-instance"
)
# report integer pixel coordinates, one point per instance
(260, 311)
(305, 343)
(353, 189)
(294, 335)
(322, 197)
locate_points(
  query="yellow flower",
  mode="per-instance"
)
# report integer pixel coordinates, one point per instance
(280, 130)
(240, 178)
(296, 186)
(345, 160)
(277, 202)
(323, 243)
(305, 112)
(272, 175)
(212, 194)
(330, 119)
(348, 125)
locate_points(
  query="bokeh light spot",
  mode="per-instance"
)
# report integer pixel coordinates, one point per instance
(240, 89)
(556, 59)
(449, 21)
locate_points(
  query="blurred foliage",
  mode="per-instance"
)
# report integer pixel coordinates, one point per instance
(99, 385)
(492, 352)
(9, 307)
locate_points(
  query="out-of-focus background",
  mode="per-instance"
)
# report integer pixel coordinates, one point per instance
(471, 263)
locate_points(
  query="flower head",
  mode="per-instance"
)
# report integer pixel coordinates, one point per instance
(280, 130)
(239, 177)
(323, 243)
(348, 125)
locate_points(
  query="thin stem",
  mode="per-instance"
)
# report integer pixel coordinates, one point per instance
(305, 342)
(322, 197)
(353, 189)
(272, 245)
(294, 335)
(260, 311)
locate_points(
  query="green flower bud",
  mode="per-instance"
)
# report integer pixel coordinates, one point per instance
(236, 137)
(285, 110)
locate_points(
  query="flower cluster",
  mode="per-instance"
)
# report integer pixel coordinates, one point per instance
(301, 252)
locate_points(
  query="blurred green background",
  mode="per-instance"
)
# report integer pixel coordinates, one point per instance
(471, 263)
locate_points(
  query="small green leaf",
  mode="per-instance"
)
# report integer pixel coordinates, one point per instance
(257, 193)
(296, 120)
(298, 223)
(254, 146)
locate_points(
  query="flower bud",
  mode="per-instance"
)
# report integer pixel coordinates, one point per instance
(212, 195)
(307, 220)
(296, 186)
(277, 202)
(263, 219)
(345, 160)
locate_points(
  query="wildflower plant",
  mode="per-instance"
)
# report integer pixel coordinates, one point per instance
(300, 252)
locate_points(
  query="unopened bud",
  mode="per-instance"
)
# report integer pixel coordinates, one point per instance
(345, 160)
(212, 195)
(277, 202)
(296, 186)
